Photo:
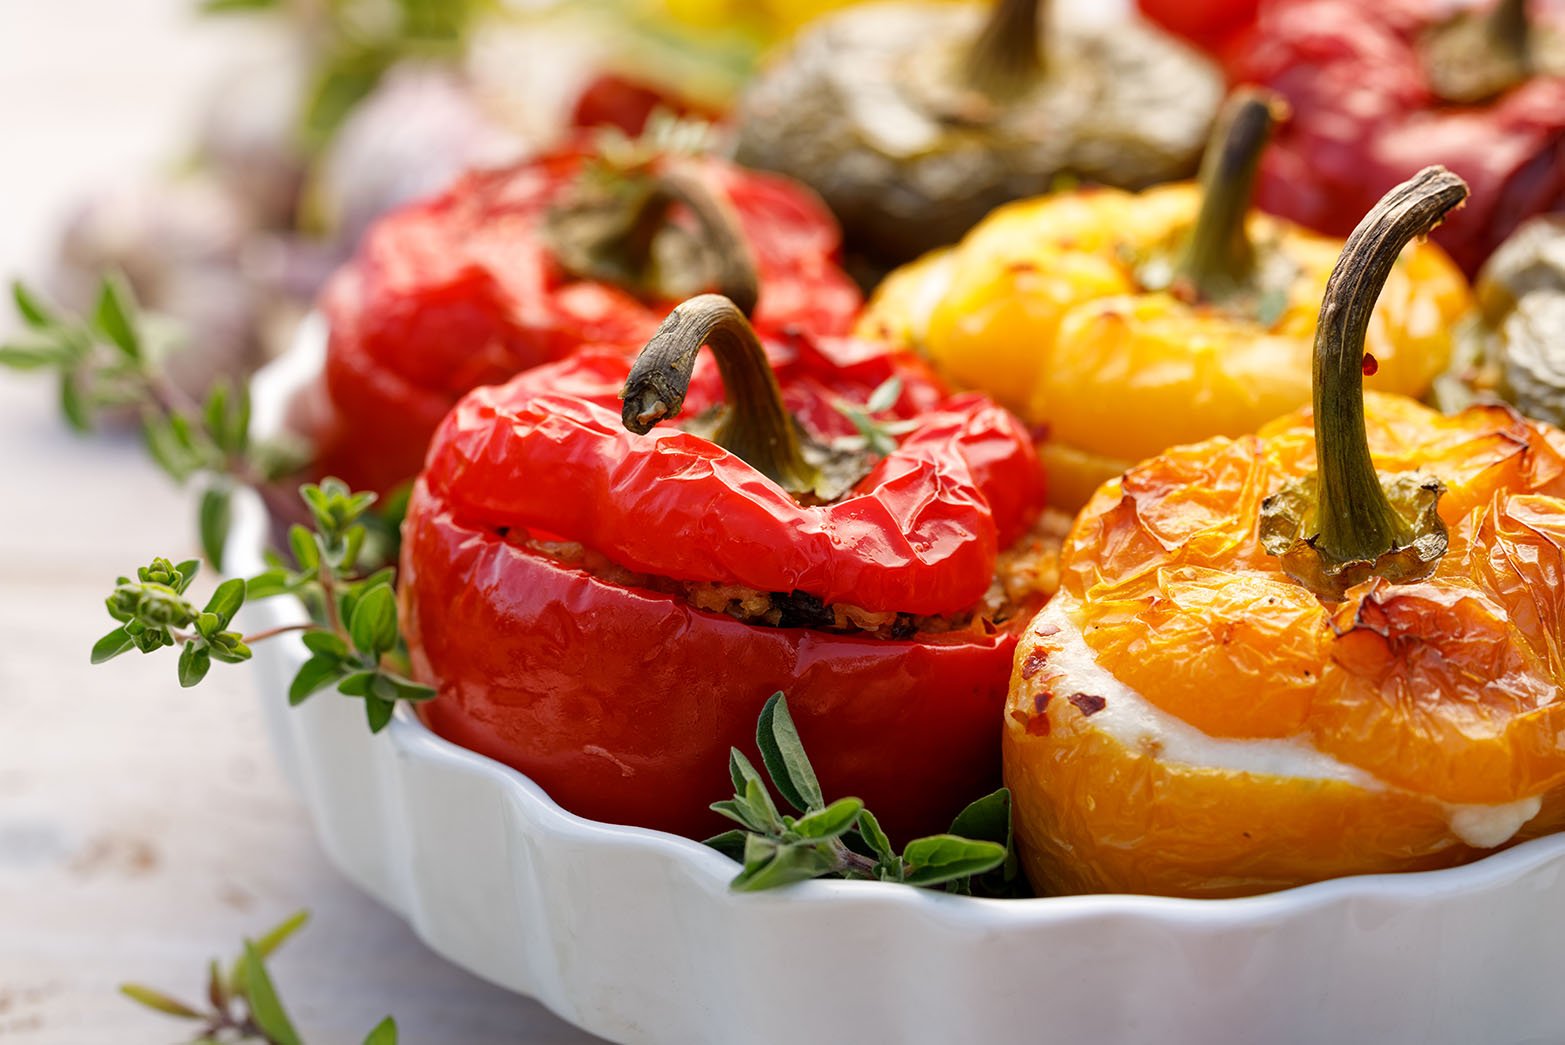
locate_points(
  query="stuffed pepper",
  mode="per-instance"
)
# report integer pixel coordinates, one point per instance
(914, 120)
(1330, 648)
(512, 268)
(1514, 350)
(1121, 324)
(606, 604)
(1380, 90)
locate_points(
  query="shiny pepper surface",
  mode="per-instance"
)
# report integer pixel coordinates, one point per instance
(1070, 310)
(468, 288)
(1380, 90)
(1190, 717)
(594, 668)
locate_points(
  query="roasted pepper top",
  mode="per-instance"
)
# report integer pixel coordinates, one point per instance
(918, 533)
(1381, 90)
(1428, 653)
(1514, 351)
(511, 268)
(913, 120)
(1074, 311)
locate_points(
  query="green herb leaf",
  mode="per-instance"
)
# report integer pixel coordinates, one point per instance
(944, 858)
(783, 753)
(32, 311)
(113, 316)
(187, 571)
(112, 645)
(226, 600)
(986, 820)
(156, 999)
(326, 645)
(194, 662)
(265, 1008)
(267, 584)
(306, 553)
(73, 404)
(885, 395)
(874, 837)
(314, 675)
(729, 843)
(406, 689)
(216, 516)
(373, 623)
(769, 865)
(834, 821)
(385, 1033)
(33, 357)
(378, 712)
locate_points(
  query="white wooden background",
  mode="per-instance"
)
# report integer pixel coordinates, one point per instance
(143, 828)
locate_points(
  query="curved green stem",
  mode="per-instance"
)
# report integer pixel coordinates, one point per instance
(608, 232)
(1218, 259)
(1007, 55)
(1357, 521)
(756, 425)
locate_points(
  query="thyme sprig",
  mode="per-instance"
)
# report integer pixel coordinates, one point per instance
(842, 839)
(242, 1001)
(353, 636)
(112, 360)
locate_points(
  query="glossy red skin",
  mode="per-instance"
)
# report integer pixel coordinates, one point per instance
(919, 534)
(1363, 119)
(623, 702)
(460, 291)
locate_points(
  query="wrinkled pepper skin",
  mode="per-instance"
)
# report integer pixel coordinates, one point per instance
(1408, 701)
(1042, 307)
(622, 700)
(1515, 351)
(462, 290)
(868, 108)
(1366, 115)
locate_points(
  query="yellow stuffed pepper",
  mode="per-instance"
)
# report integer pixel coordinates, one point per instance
(1122, 323)
(1329, 648)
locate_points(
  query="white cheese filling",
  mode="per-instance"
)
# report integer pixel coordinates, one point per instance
(1137, 724)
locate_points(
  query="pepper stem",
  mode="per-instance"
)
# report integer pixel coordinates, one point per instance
(1218, 259)
(608, 230)
(1476, 55)
(1347, 525)
(1007, 55)
(756, 425)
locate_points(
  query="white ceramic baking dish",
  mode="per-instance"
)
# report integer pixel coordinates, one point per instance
(634, 935)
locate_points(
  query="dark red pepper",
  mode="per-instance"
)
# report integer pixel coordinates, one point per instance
(608, 685)
(512, 268)
(1379, 91)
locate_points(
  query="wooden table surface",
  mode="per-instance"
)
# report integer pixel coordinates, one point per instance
(144, 829)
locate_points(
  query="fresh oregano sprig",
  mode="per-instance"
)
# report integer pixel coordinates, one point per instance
(112, 359)
(353, 636)
(878, 436)
(842, 838)
(242, 1000)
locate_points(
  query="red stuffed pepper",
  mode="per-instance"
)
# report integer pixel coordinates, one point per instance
(606, 605)
(511, 268)
(1380, 91)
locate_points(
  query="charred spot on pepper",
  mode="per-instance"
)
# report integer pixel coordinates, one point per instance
(1088, 704)
(1034, 662)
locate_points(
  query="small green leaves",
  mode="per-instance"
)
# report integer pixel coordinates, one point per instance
(783, 753)
(114, 316)
(843, 838)
(32, 311)
(385, 1033)
(944, 858)
(194, 662)
(374, 622)
(160, 1002)
(265, 1007)
(245, 1005)
(112, 645)
(877, 436)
